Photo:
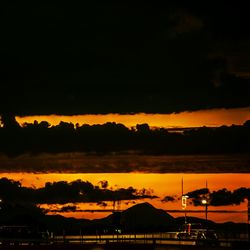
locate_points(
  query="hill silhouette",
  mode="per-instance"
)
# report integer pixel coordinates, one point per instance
(146, 216)
(141, 217)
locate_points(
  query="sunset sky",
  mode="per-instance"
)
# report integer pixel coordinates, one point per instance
(210, 118)
(160, 184)
(173, 65)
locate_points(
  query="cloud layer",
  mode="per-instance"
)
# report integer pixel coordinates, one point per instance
(222, 197)
(63, 192)
(66, 58)
(37, 138)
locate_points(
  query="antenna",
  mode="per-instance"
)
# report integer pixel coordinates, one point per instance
(182, 186)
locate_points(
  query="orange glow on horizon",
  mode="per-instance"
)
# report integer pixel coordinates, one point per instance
(210, 118)
(161, 183)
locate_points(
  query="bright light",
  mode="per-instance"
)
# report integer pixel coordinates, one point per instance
(184, 201)
(204, 202)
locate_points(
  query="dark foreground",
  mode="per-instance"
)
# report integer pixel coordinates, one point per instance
(122, 246)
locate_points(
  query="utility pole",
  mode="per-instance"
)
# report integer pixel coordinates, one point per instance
(184, 201)
(204, 202)
(248, 218)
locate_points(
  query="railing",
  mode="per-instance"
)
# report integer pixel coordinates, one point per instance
(169, 238)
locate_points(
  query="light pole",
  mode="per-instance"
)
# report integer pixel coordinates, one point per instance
(248, 218)
(205, 203)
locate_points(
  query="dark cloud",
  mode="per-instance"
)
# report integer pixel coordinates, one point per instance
(124, 163)
(104, 184)
(37, 138)
(66, 209)
(102, 204)
(226, 197)
(222, 197)
(65, 58)
(197, 193)
(168, 198)
(63, 192)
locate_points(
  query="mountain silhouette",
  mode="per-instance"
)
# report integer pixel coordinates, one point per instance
(141, 217)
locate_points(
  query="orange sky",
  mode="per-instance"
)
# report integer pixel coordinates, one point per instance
(213, 117)
(162, 185)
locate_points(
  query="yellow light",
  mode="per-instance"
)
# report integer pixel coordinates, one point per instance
(204, 202)
(184, 201)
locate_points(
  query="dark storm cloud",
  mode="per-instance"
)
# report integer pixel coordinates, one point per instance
(63, 192)
(197, 193)
(109, 138)
(168, 198)
(222, 197)
(71, 58)
(226, 197)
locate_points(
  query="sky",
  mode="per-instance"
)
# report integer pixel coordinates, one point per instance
(210, 118)
(143, 57)
(160, 185)
(170, 64)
